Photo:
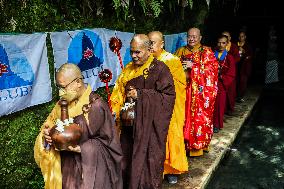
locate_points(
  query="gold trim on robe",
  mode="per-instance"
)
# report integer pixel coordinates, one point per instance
(129, 72)
(185, 50)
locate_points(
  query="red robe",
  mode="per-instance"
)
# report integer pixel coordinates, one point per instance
(232, 89)
(226, 77)
(200, 99)
(244, 69)
(234, 51)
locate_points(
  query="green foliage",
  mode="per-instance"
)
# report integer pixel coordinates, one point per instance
(190, 2)
(17, 135)
(156, 7)
(168, 16)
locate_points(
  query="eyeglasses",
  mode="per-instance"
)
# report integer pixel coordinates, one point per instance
(64, 87)
(153, 42)
(192, 36)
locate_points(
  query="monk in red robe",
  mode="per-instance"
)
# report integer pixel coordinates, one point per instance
(244, 66)
(232, 49)
(150, 83)
(202, 75)
(226, 76)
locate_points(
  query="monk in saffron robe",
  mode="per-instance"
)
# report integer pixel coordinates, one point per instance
(96, 162)
(232, 49)
(176, 160)
(202, 75)
(244, 66)
(150, 83)
(226, 76)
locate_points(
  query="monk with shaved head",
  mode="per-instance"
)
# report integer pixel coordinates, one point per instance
(67, 76)
(176, 161)
(232, 49)
(201, 68)
(95, 163)
(146, 84)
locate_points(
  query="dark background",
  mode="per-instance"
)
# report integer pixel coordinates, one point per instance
(256, 17)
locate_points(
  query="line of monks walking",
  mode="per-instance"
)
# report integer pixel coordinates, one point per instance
(166, 107)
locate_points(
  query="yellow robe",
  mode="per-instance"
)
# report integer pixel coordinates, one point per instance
(49, 160)
(185, 50)
(181, 52)
(129, 72)
(176, 160)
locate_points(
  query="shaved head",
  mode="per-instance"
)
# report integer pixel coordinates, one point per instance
(227, 34)
(157, 42)
(157, 34)
(193, 37)
(70, 82)
(141, 39)
(195, 30)
(69, 70)
(140, 47)
(242, 36)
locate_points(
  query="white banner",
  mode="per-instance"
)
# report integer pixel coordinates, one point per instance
(24, 73)
(90, 50)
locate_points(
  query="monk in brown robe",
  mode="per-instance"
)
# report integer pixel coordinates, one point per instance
(232, 49)
(151, 84)
(176, 160)
(96, 162)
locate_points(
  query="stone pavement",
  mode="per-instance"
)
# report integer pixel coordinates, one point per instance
(202, 168)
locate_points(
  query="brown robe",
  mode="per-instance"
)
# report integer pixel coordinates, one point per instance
(143, 145)
(98, 166)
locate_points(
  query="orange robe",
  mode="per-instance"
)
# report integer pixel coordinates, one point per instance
(200, 99)
(176, 160)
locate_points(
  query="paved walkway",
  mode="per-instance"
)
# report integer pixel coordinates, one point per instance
(202, 168)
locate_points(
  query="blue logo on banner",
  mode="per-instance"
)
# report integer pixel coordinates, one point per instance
(127, 57)
(178, 42)
(15, 70)
(86, 50)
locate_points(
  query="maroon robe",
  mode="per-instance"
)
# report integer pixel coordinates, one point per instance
(232, 89)
(227, 74)
(144, 144)
(234, 51)
(244, 70)
(98, 166)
